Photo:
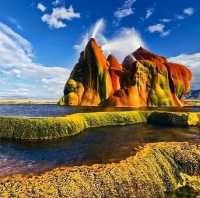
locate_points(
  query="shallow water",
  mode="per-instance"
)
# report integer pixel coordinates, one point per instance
(97, 145)
(55, 110)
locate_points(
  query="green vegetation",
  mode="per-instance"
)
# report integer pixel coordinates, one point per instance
(160, 94)
(59, 127)
(157, 170)
(45, 128)
(168, 119)
(174, 119)
(182, 192)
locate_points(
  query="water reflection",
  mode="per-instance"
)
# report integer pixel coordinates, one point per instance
(101, 145)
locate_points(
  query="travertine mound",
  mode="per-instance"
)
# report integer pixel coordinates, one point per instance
(49, 128)
(155, 171)
(143, 79)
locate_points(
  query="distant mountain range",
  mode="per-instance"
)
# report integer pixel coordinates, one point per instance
(194, 94)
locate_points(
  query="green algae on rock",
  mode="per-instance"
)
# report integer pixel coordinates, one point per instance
(59, 127)
(174, 119)
(192, 103)
(31, 129)
(181, 192)
(154, 171)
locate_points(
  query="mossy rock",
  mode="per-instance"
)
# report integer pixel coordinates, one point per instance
(72, 99)
(168, 119)
(183, 192)
(61, 101)
(154, 172)
(194, 119)
(58, 127)
(70, 86)
(174, 119)
(31, 129)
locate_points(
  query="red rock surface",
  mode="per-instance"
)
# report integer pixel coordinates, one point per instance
(143, 54)
(143, 79)
(115, 71)
(181, 77)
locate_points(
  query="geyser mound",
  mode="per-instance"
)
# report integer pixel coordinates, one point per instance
(143, 79)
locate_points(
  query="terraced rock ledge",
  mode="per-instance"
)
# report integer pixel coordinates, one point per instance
(30, 129)
(157, 170)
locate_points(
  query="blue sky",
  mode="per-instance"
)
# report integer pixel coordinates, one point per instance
(40, 40)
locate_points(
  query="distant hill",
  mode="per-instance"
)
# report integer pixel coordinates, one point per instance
(27, 101)
(194, 94)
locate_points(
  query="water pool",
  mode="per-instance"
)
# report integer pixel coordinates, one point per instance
(97, 145)
(55, 110)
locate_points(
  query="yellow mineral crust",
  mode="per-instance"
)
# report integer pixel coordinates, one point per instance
(156, 169)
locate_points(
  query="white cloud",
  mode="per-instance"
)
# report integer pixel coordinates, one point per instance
(96, 31)
(22, 76)
(59, 15)
(185, 12)
(188, 11)
(125, 10)
(85, 38)
(56, 2)
(41, 7)
(122, 43)
(180, 17)
(193, 62)
(149, 13)
(159, 28)
(165, 33)
(166, 20)
(15, 22)
(156, 28)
